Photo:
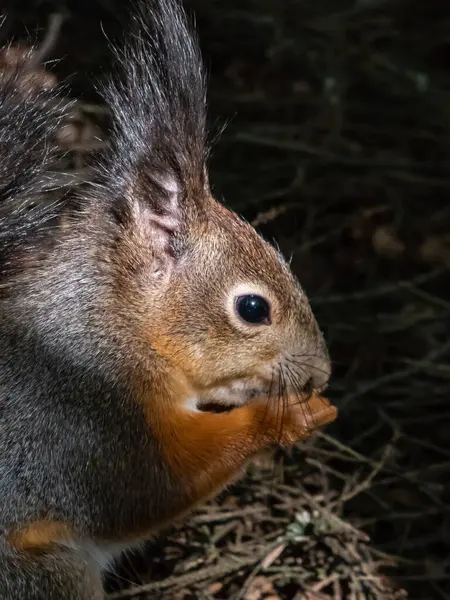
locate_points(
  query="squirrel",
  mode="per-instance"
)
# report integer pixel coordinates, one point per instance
(149, 349)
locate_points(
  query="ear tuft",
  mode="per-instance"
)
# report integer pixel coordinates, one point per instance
(155, 166)
(158, 97)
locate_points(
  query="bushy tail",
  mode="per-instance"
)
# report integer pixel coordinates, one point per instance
(29, 118)
(158, 106)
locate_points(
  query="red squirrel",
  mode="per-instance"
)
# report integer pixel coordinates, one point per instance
(122, 334)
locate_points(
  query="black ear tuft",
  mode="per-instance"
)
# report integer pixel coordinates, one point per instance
(158, 101)
(155, 170)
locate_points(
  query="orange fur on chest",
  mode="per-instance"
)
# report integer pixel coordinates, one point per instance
(205, 450)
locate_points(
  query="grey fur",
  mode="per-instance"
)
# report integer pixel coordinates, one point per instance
(71, 443)
(76, 447)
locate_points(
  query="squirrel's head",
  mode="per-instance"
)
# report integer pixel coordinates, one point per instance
(198, 286)
(213, 299)
(232, 317)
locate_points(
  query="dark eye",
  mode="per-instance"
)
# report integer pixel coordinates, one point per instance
(253, 309)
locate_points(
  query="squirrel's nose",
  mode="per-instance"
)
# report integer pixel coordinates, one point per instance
(319, 369)
(314, 369)
(310, 357)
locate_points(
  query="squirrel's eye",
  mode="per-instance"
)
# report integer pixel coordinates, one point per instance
(253, 309)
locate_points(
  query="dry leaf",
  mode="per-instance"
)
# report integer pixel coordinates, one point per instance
(215, 587)
(259, 588)
(436, 250)
(386, 243)
(272, 556)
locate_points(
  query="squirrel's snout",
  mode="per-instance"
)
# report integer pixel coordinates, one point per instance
(319, 371)
(306, 373)
(312, 367)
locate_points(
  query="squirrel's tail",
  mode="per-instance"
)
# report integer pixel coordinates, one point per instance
(29, 118)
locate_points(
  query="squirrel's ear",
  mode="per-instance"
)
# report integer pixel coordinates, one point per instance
(151, 218)
(155, 166)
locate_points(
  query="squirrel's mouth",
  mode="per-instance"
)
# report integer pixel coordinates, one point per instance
(317, 410)
(217, 402)
(234, 394)
(238, 393)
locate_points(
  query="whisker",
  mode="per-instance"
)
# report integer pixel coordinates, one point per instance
(280, 399)
(269, 395)
(130, 555)
(310, 364)
(327, 373)
(269, 391)
(335, 361)
(302, 356)
(305, 364)
(297, 364)
(297, 392)
(302, 368)
(285, 399)
(303, 400)
(305, 355)
(113, 574)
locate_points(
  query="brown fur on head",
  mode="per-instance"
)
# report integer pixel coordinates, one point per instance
(182, 258)
(184, 288)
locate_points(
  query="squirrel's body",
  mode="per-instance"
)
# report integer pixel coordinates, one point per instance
(119, 330)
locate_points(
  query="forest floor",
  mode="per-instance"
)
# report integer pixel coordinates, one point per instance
(338, 147)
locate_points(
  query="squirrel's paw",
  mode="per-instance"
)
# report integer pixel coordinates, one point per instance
(300, 418)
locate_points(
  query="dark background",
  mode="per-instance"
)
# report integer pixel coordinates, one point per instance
(337, 145)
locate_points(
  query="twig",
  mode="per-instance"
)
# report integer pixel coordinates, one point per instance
(325, 582)
(226, 567)
(381, 290)
(365, 483)
(396, 376)
(324, 155)
(278, 547)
